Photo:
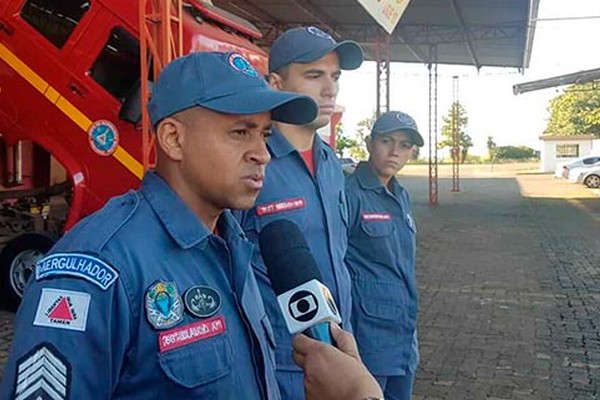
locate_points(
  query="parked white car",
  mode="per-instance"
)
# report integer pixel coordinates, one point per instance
(591, 178)
(576, 174)
(562, 169)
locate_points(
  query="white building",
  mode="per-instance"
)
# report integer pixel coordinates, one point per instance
(556, 149)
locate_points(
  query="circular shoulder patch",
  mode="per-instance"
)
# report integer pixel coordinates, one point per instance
(202, 301)
(313, 30)
(103, 137)
(239, 63)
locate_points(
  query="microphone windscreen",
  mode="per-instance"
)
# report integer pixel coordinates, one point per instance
(287, 256)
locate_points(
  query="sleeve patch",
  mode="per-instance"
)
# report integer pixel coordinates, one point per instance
(63, 309)
(78, 265)
(43, 374)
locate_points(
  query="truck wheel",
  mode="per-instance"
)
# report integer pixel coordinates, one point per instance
(592, 181)
(17, 265)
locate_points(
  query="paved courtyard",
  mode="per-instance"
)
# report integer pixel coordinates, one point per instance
(509, 278)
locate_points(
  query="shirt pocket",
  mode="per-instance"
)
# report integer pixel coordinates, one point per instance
(198, 364)
(377, 228)
(383, 301)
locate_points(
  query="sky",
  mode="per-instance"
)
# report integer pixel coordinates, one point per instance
(559, 47)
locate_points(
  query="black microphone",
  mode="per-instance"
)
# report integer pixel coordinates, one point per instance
(306, 304)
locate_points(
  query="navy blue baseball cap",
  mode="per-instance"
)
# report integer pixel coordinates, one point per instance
(396, 121)
(307, 44)
(226, 83)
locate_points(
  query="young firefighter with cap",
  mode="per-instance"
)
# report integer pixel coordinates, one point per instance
(381, 256)
(153, 296)
(304, 181)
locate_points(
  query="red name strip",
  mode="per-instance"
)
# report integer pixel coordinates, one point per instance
(280, 206)
(191, 333)
(376, 217)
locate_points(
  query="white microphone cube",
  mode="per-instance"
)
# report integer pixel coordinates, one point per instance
(307, 305)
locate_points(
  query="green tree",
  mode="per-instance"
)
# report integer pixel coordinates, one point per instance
(464, 140)
(364, 129)
(491, 146)
(343, 142)
(515, 153)
(576, 111)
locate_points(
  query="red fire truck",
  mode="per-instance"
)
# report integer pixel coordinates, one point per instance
(70, 110)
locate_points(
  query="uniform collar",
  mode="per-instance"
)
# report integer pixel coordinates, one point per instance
(183, 225)
(370, 181)
(281, 147)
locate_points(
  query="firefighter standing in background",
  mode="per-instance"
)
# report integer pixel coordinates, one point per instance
(381, 256)
(304, 181)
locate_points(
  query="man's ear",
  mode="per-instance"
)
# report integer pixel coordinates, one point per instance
(170, 138)
(275, 81)
(369, 143)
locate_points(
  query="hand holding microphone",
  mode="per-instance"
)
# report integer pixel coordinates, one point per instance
(308, 307)
(331, 373)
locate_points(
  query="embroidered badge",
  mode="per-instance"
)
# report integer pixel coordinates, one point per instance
(280, 206)
(239, 63)
(376, 217)
(406, 120)
(62, 309)
(163, 305)
(43, 373)
(78, 265)
(313, 30)
(191, 333)
(103, 137)
(202, 301)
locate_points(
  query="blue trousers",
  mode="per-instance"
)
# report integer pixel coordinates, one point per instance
(396, 387)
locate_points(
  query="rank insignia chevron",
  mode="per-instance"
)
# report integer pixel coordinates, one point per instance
(43, 374)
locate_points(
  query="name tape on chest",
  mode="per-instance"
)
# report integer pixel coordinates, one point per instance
(63, 309)
(190, 333)
(78, 265)
(280, 206)
(376, 217)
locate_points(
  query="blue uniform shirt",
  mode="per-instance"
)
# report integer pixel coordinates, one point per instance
(107, 316)
(317, 204)
(381, 260)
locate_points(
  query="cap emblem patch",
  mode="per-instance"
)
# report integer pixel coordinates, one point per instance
(239, 63)
(313, 30)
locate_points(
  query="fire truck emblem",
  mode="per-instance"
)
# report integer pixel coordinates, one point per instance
(163, 305)
(202, 301)
(104, 137)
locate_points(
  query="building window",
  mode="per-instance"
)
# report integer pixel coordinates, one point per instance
(567, 150)
(55, 19)
(117, 68)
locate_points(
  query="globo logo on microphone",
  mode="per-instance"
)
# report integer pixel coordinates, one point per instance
(303, 306)
(307, 305)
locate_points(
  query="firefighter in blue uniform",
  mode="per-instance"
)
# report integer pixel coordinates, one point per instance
(381, 256)
(304, 181)
(153, 296)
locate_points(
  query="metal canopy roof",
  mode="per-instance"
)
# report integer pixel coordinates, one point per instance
(470, 32)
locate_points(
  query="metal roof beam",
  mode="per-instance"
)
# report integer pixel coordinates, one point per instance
(252, 12)
(316, 13)
(568, 79)
(461, 24)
